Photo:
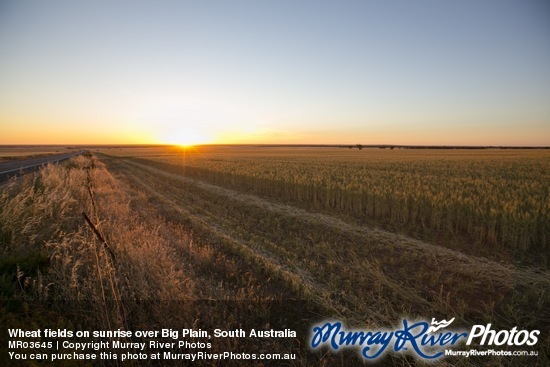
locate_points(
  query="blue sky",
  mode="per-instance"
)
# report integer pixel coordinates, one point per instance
(402, 72)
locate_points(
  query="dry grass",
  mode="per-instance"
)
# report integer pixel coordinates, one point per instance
(158, 278)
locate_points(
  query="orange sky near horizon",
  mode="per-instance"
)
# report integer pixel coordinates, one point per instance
(422, 73)
(85, 133)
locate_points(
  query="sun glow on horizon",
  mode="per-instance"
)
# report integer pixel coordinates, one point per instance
(186, 138)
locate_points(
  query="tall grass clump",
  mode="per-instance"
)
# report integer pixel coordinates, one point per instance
(37, 209)
(52, 256)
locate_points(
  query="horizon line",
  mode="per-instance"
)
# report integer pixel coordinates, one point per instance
(349, 146)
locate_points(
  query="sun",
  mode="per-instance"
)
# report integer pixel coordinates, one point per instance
(188, 143)
(187, 139)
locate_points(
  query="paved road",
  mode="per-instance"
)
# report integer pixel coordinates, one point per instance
(14, 168)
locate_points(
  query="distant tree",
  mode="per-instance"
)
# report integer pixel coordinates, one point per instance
(359, 146)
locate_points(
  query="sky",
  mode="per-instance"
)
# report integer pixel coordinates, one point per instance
(426, 72)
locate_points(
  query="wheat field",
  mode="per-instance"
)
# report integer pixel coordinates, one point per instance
(212, 236)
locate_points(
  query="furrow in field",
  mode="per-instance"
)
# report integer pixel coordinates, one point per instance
(171, 201)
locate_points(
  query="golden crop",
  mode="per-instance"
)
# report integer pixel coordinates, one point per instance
(494, 197)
